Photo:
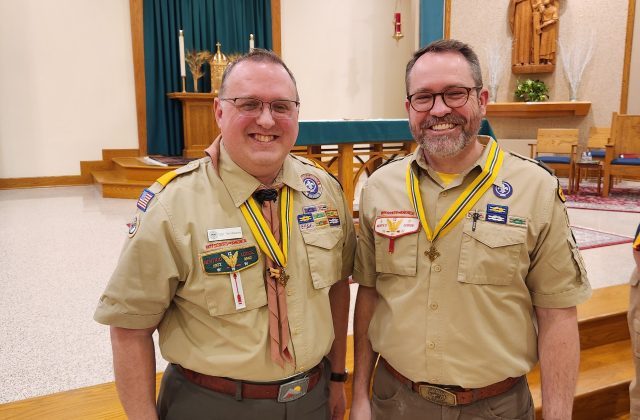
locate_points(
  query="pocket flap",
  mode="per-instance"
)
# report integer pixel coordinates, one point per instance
(326, 238)
(498, 236)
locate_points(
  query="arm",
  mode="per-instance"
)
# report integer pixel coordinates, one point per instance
(339, 299)
(365, 358)
(559, 353)
(134, 365)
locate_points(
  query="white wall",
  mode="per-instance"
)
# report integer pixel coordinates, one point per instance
(345, 61)
(66, 83)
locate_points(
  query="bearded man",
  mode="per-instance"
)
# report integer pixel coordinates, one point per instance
(468, 272)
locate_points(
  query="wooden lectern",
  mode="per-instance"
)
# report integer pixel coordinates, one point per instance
(200, 128)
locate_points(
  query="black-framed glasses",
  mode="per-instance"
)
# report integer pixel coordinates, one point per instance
(453, 97)
(252, 107)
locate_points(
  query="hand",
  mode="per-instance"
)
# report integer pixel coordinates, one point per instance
(337, 400)
(360, 409)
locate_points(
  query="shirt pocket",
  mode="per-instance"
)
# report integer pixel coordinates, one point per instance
(490, 254)
(324, 254)
(218, 291)
(403, 260)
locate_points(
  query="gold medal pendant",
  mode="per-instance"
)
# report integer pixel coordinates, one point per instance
(432, 253)
(279, 275)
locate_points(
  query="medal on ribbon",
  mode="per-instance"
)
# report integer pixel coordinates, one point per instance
(463, 203)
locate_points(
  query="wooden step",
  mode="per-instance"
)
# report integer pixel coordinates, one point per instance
(602, 391)
(603, 318)
(114, 185)
(132, 168)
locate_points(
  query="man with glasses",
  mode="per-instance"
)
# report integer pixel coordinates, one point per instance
(463, 249)
(240, 261)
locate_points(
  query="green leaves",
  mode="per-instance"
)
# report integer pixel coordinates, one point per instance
(532, 91)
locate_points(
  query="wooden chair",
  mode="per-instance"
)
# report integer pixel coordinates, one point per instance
(554, 148)
(622, 155)
(598, 139)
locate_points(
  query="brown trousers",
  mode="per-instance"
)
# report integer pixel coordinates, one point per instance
(633, 318)
(393, 400)
(180, 399)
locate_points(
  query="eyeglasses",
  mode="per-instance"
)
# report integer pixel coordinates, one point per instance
(252, 107)
(453, 97)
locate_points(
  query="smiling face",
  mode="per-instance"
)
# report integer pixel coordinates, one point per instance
(444, 132)
(259, 144)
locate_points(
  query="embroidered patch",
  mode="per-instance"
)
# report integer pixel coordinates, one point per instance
(309, 209)
(497, 213)
(145, 198)
(561, 194)
(333, 216)
(517, 221)
(395, 227)
(503, 191)
(226, 244)
(314, 187)
(228, 261)
(305, 221)
(398, 213)
(320, 219)
(134, 225)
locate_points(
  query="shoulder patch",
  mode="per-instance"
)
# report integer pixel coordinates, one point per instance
(561, 195)
(307, 161)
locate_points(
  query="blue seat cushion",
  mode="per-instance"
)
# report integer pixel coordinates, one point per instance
(626, 161)
(597, 153)
(554, 159)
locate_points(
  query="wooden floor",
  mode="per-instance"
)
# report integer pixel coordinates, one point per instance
(606, 370)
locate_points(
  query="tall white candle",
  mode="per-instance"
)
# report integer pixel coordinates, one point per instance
(183, 70)
(251, 43)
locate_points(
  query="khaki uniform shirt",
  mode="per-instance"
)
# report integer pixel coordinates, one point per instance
(467, 318)
(161, 278)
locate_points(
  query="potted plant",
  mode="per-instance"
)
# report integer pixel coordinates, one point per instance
(532, 91)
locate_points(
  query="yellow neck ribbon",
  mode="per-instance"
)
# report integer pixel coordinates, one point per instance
(262, 232)
(464, 202)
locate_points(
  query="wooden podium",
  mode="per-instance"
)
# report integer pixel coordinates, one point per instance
(200, 128)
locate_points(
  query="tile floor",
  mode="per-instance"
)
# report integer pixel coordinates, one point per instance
(57, 249)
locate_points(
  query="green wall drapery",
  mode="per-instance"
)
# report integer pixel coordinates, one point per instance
(204, 23)
(431, 21)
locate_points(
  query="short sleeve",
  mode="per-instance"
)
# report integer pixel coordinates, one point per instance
(146, 276)
(364, 270)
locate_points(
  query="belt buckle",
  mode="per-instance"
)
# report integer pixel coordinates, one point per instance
(293, 390)
(437, 395)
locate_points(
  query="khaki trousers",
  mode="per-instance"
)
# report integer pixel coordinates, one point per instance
(180, 399)
(633, 318)
(393, 400)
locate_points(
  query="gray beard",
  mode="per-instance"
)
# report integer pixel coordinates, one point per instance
(446, 146)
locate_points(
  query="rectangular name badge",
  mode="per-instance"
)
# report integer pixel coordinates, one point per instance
(224, 234)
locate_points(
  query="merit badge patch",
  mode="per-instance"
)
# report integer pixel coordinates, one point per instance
(229, 261)
(517, 221)
(305, 221)
(134, 225)
(145, 198)
(497, 213)
(314, 187)
(503, 191)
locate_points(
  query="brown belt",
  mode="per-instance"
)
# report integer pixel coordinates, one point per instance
(284, 391)
(451, 394)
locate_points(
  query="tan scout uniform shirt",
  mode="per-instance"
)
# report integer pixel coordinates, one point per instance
(467, 317)
(161, 280)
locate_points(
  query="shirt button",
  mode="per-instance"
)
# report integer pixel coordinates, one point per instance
(431, 345)
(437, 268)
(443, 193)
(433, 306)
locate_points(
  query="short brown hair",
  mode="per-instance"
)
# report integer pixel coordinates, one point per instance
(447, 45)
(257, 55)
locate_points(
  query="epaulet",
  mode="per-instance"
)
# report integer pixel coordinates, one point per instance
(310, 162)
(165, 179)
(395, 159)
(537, 162)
